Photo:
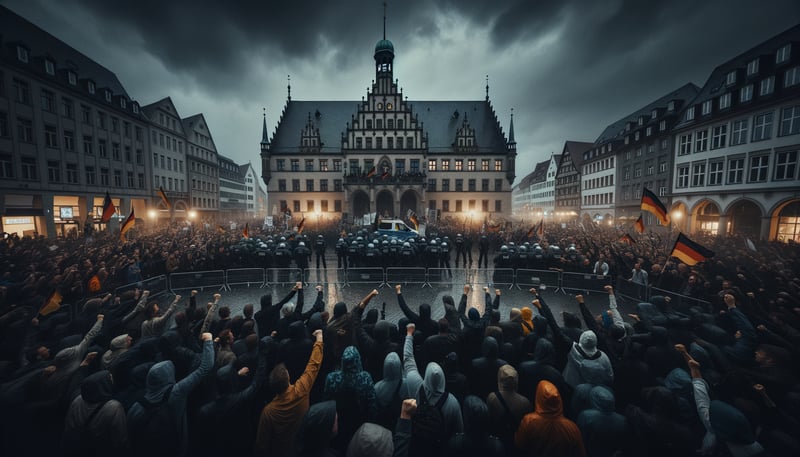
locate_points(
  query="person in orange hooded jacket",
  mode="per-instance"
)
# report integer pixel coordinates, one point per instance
(546, 432)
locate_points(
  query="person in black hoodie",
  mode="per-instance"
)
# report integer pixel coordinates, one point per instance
(483, 377)
(423, 322)
(295, 350)
(96, 423)
(267, 317)
(475, 441)
(319, 427)
(226, 425)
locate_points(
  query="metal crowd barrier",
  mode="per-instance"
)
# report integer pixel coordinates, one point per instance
(316, 276)
(584, 282)
(536, 278)
(365, 275)
(405, 275)
(247, 276)
(631, 290)
(503, 277)
(283, 276)
(680, 301)
(157, 285)
(440, 276)
(197, 280)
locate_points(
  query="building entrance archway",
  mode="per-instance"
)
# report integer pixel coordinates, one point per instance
(745, 218)
(384, 203)
(408, 202)
(360, 204)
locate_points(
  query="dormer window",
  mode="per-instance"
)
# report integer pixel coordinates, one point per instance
(641, 120)
(135, 108)
(725, 101)
(90, 85)
(49, 67)
(72, 78)
(706, 108)
(690, 114)
(654, 114)
(671, 106)
(731, 78)
(122, 103)
(752, 67)
(649, 130)
(662, 126)
(783, 54)
(108, 95)
(22, 53)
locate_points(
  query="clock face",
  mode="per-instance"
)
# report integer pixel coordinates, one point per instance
(380, 106)
(389, 106)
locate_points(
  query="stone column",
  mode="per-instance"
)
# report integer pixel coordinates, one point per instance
(766, 225)
(723, 226)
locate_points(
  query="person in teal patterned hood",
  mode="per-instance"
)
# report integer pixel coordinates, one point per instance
(354, 392)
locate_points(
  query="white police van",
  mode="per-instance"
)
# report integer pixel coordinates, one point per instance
(396, 228)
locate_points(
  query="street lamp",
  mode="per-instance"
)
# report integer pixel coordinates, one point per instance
(192, 214)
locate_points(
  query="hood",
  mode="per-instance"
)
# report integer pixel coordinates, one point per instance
(571, 320)
(297, 330)
(507, 378)
(527, 314)
(351, 360)
(448, 300)
(315, 431)
(545, 352)
(602, 399)
(729, 423)
(476, 416)
(659, 335)
(97, 387)
(371, 440)
(548, 400)
(678, 381)
(160, 377)
(434, 382)
(371, 317)
(315, 322)
(660, 302)
(120, 342)
(539, 325)
(424, 311)
(392, 368)
(339, 310)
(382, 331)
(489, 348)
(473, 314)
(266, 301)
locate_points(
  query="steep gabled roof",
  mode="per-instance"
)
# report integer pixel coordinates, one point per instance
(575, 150)
(437, 119)
(15, 28)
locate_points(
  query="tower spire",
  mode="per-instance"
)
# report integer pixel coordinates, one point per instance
(511, 128)
(289, 87)
(384, 19)
(264, 131)
(487, 88)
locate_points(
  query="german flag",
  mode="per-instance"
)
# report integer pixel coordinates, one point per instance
(690, 252)
(108, 209)
(540, 229)
(127, 225)
(385, 175)
(639, 225)
(301, 225)
(52, 304)
(246, 231)
(164, 198)
(627, 239)
(652, 204)
(371, 172)
(414, 221)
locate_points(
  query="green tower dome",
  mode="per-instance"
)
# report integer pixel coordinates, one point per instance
(384, 45)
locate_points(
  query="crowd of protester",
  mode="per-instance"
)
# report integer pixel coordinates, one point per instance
(140, 375)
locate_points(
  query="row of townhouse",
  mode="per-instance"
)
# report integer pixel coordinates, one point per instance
(70, 132)
(722, 157)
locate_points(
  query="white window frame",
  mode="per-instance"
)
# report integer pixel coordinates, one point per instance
(764, 127)
(699, 174)
(22, 54)
(701, 141)
(705, 108)
(783, 54)
(682, 176)
(746, 93)
(49, 67)
(791, 77)
(785, 165)
(759, 164)
(690, 113)
(739, 130)
(684, 145)
(725, 101)
(790, 121)
(716, 173)
(738, 171)
(730, 78)
(719, 136)
(752, 67)
(767, 86)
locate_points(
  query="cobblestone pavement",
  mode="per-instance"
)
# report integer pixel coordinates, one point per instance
(336, 289)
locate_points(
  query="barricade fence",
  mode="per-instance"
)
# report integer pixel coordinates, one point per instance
(389, 276)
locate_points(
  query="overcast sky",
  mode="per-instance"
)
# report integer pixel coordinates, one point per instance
(568, 68)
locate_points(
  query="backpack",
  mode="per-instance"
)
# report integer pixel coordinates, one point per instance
(427, 425)
(158, 434)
